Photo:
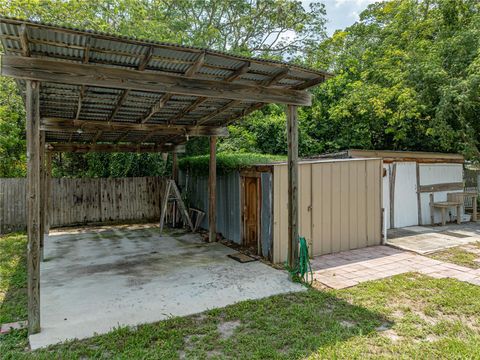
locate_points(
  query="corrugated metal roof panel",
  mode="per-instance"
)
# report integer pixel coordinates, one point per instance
(98, 103)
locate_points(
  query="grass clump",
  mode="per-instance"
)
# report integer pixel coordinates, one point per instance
(459, 256)
(226, 162)
(13, 277)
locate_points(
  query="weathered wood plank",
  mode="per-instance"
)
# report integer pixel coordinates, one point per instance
(61, 124)
(292, 139)
(212, 191)
(140, 148)
(88, 74)
(33, 204)
(441, 187)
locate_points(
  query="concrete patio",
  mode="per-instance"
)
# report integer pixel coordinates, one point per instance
(428, 239)
(96, 279)
(350, 268)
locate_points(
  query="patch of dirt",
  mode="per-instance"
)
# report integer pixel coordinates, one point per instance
(385, 326)
(227, 328)
(348, 324)
(392, 335)
(187, 340)
(432, 338)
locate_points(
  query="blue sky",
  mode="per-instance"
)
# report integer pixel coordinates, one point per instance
(341, 13)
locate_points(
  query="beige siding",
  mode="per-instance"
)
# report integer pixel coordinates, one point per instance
(339, 205)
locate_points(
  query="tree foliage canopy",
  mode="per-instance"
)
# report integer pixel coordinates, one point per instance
(407, 74)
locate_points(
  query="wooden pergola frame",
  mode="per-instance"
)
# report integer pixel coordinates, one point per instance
(124, 107)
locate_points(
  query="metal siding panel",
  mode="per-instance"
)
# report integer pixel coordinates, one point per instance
(228, 203)
(266, 214)
(352, 206)
(344, 205)
(304, 203)
(336, 210)
(362, 197)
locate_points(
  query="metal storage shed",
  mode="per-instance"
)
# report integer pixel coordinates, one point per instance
(340, 206)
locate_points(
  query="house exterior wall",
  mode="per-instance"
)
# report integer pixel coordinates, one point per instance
(340, 205)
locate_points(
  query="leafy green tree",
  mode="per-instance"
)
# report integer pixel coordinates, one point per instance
(245, 27)
(12, 134)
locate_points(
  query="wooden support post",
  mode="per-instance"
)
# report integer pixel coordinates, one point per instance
(474, 210)
(33, 203)
(42, 198)
(174, 167)
(432, 209)
(212, 191)
(292, 138)
(48, 192)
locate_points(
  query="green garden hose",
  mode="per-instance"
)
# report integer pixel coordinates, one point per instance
(303, 270)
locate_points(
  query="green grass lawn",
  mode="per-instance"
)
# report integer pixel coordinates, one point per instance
(458, 256)
(407, 316)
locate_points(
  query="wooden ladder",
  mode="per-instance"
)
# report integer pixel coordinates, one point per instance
(173, 194)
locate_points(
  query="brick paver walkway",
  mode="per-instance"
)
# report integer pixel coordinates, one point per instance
(349, 268)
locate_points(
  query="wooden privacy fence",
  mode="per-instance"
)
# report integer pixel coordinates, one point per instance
(83, 201)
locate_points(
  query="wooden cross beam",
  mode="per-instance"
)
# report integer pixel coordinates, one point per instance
(88, 74)
(121, 100)
(24, 40)
(156, 107)
(110, 148)
(60, 124)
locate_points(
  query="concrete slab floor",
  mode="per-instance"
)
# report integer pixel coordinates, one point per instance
(429, 239)
(98, 279)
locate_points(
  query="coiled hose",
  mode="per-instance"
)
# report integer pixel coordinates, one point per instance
(303, 271)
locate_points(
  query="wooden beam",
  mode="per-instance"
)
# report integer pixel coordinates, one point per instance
(111, 77)
(146, 59)
(48, 192)
(122, 137)
(86, 50)
(174, 167)
(212, 191)
(239, 72)
(441, 187)
(119, 104)
(201, 100)
(196, 65)
(80, 99)
(225, 107)
(188, 109)
(283, 73)
(60, 124)
(97, 136)
(110, 148)
(33, 204)
(311, 83)
(292, 139)
(24, 40)
(41, 150)
(149, 136)
(156, 107)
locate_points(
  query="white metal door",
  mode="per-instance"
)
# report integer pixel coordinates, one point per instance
(405, 195)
